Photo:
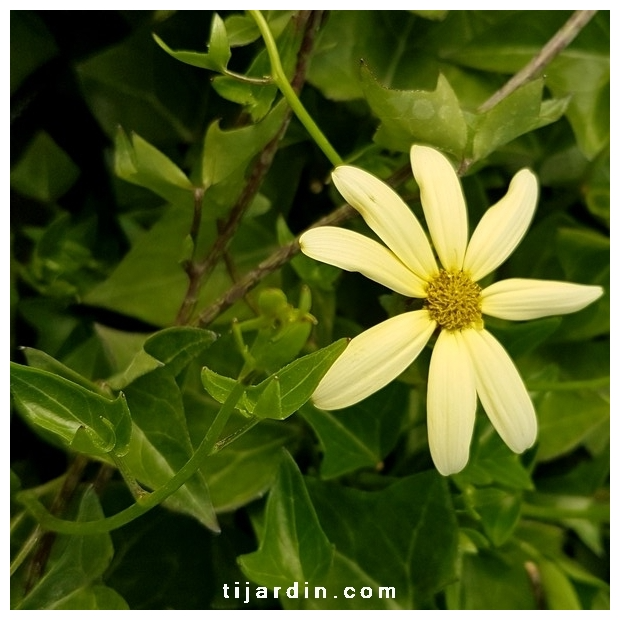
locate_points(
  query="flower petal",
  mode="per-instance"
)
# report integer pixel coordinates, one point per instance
(373, 359)
(354, 252)
(502, 227)
(518, 299)
(443, 204)
(451, 403)
(501, 390)
(386, 213)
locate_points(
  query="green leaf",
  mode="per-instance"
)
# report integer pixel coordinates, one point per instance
(300, 378)
(32, 45)
(44, 172)
(62, 263)
(137, 161)
(216, 59)
(150, 284)
(134, 85)
(389, 538)
(416, 116)
(293, 547)
(195, 562)
(227, 153)
(62, 408)
(492, 580)
(43, 361)
(93, 597)
(566, 419)
(597, 190)
(282, 340)
(75, 566)
(519, 113)
(520, 339)
(176, 347)
(242, 30)
(494, 462)
(160, 444)
(296, 382)
(218, 386)
(508, 40)
(258, 98)
(362, 435)
(433, 15)
(246, 468)
(559, 592)
(384, 40)
(584, 256)
(269, 403)
(500, 512)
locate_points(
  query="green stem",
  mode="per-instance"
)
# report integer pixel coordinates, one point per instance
(50, 522)
(279, 77)
(136, 490)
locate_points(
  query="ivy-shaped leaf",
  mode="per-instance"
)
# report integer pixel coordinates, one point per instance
(80, 418)
(410, 116)
(137, 161)
(361, 435)
(293, 547)
(161, 445)
(75, 568)
(295, 383)
(408, 522)
(216, 59)
(519, 113)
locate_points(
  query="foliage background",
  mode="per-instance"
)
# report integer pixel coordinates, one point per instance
(110, 137)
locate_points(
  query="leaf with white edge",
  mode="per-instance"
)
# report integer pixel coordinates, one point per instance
(60, 407)
(293, 547)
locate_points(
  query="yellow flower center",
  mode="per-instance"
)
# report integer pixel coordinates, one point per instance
(453, 300)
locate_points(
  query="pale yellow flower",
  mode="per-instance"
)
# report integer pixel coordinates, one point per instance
(467, 361)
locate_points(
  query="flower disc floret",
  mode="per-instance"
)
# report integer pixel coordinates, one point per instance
(453, 301)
